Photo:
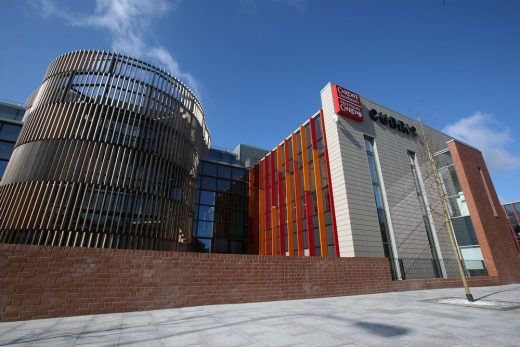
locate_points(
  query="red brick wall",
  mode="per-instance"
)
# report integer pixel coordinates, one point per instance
(41, 282)
(497, 246)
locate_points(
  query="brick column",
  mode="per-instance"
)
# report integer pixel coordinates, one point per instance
(491, 228)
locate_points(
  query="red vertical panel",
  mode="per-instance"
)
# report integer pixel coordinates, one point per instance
(329, 183)
(273, 177)
(310, 224)
(297, 196)
(274, 197)
(256, 232)
(307, 196)
(281, 201)
(267, 202)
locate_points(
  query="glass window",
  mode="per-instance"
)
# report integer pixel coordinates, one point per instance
(3, 165)
(378, 198)
(450, 180)
(372, 168)
(383, 223)
(368, 145)
(224, 171)
(204, 229)
(207, 198)
(464, 231)
(9, 132)
(208, 183)
(11, 113)
(443, 159)
(517, 208)
(238, 174)
(209, 169)
(223, 185)
(509, 210)
(214, 155)
(457, 206)
(206, 213)
(6, 149)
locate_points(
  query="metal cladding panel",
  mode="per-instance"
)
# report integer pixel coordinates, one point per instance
(357, 222)
(107, 158)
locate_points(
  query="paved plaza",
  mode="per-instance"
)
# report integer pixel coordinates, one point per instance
(417, 318)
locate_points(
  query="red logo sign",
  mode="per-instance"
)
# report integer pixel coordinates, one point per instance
(347, 103)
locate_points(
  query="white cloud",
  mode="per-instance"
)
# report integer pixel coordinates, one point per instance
(128, 24)
(483, 131)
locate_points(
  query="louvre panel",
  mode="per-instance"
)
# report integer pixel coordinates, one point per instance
(107, 157)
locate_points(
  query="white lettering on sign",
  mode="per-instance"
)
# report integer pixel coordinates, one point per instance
(347, 103)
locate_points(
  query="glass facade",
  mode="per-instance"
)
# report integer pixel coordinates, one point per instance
(220, 222)
(11, 116)
(459, 214)
(378, 197)
(290, 197)
(512, 211)
(424, 211)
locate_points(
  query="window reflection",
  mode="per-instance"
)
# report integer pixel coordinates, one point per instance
(221, 221)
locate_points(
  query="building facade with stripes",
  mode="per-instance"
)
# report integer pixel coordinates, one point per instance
(107, 157)
(358, 179)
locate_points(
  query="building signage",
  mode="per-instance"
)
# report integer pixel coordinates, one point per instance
(347, 103)
(392, 122)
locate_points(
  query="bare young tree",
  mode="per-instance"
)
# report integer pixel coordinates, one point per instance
(441, 209)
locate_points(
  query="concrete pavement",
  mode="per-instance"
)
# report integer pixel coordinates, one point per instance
(416, 318)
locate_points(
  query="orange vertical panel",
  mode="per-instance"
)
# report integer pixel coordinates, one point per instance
(288, 199)
(319, 192)
(297, 195)
(307, 190)
(281, 210)
(267, 207)
(305, 159)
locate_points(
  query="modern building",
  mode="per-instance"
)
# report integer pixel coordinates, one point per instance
(249, 155)
(220, 222)
(11, 121)
(356, 180)
(115, 153)
(512, 211)
(107, 157)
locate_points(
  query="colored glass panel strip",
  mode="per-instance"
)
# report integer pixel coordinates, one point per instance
(307, 194)
(288, 198)
(274, 210)
(267, 207)
(319, 190)
(297, 195)
(281, 209)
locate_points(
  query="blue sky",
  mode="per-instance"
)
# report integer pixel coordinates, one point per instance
(259, 63)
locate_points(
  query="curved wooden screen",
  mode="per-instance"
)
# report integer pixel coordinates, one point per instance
(107, 157)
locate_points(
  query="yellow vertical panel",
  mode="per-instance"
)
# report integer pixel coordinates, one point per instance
(305, 159)
(274, 231)
(319, 201)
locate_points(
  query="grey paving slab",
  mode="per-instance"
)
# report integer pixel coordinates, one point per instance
(414, 318)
